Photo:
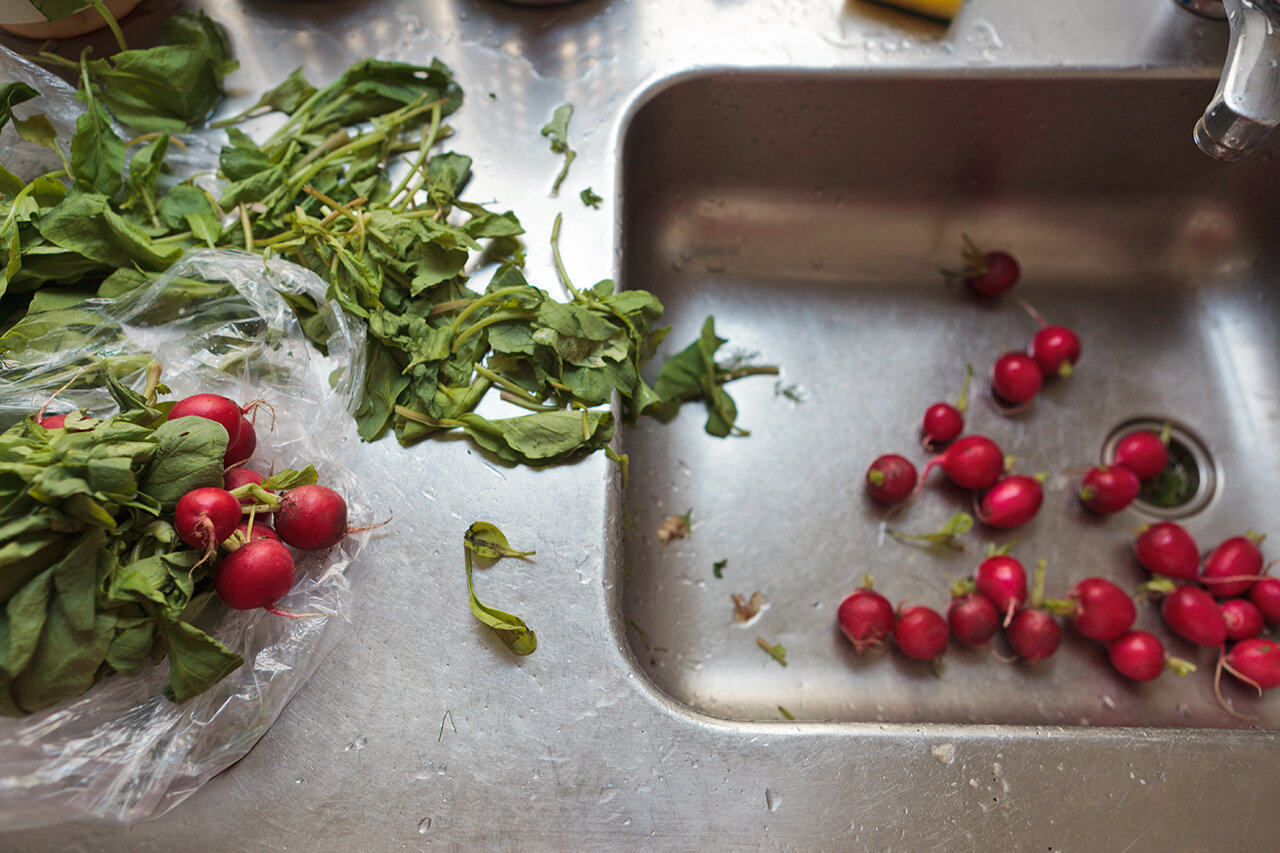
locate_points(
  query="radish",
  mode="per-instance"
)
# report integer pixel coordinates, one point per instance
(865, 617)
(943, 422)
(1108, 488)
(1055, 350)
(54, 421)
(1167, 549)
(1016, 378)
(1011, 502)
(971, 616)
(891, 478)
(311, 517)
(920, 633)
(1139, 655)
(212, 407)
(1242, 617)
(1145, 453)
(1255, 662)
(242, 446)
(1233, 566)
(257, 574)
(972, 462)
(1265, 595)
(1192, 614)
(1101, 610)
(988, 273)
(1002, 579)
(1033, 633)
(234, 478)
(206, 516)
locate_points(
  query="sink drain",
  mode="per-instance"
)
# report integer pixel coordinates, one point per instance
(1187, 483)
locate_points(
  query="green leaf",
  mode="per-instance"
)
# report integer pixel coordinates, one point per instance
(188, 456)
(541, 438)
(590, 199)
(55, 9)
(131, 647)
(511, 629)
(27, 611)
(190, 208)
(12, 94)
(37, 130)
(557, 130)
(486, 540)
(86, 224)
(97, 153)
(196, 660)
(282, 481)
(691, 374)
(66, 660)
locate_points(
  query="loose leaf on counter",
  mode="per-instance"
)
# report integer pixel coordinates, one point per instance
(486, 539)
(557, 130)
(590, 199)
(946, 536)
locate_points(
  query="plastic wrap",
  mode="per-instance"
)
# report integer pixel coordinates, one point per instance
(122, 752)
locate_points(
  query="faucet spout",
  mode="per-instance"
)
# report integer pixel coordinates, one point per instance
(1246, 107)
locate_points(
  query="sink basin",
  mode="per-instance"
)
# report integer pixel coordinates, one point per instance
(811, 214)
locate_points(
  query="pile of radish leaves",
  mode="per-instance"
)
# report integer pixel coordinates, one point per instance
(353, 184)
(93, 577)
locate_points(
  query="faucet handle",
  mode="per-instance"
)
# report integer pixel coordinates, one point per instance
(1207, 8)
(1246, 106)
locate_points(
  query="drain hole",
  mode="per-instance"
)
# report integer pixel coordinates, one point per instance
(1187, 483)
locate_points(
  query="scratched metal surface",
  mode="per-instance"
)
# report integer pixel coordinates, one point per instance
(420, 731)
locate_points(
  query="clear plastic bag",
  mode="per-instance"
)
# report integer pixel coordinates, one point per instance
(122, 752)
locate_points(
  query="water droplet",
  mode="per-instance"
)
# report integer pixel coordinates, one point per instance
(424, 825)
(357, 744)
(626, 822)
(772, 799)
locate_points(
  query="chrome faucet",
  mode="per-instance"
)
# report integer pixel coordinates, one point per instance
(1246, 106)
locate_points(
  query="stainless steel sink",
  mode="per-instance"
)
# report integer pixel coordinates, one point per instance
(811, 213)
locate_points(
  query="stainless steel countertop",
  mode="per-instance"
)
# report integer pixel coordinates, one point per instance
(569, 748)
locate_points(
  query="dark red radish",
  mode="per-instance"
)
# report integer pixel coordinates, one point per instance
(205, 517)
(1144, 453)
(1140, 656)
(1108, 488)
(1265, 595)
(214, 407)
(1011, 502)
(1101, 610)
(1233, 566)
(1055, 350)
(1256, 662)
(1166, 548)
(1242, 617)
(988, 273)
(891, 478)
(234, 478)
(972, 462)
(972, 618)
(257, 574)
(54, 421)
(1015, 378)
(865, 618)
(1193, 614)
(920, 633)
(1034, 634)
(311, 517)
(242, 446)
(943, 422)
(1002, 579)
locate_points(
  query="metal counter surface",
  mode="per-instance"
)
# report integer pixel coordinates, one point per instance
(421, 730)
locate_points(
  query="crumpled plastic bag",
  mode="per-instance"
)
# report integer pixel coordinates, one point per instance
(122, 752)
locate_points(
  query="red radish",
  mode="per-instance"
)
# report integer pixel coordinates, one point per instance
(988, 273)
(1233, 566)
(234, 478)
(1242, 617)
(891, 478)
(1055, 350)
(1139, 655)
(1265, 595)
(1002, 579)
(920, 633)
(1255, 662)
(865, 617)
(54, 421)
(1167, 549)
(258, 574)
(1034, 634)
(1143, 452)
(1108, 488)
(972, 618)
(206, 516)
(972, 462)
(1192, 614)
(311, 517)
(1016, 378)
(1012, 501)
(1102, 610)
(242, 446)
(943, 422)
(213, 407)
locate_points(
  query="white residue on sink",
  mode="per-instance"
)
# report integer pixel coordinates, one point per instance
(944, 752)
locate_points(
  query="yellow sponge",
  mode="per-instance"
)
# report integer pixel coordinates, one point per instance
(943, 10)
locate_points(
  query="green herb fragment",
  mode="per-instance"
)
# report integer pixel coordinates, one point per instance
(776, 651)
(557, 130)
(786, 715)
(448, 715)
(946, 536)
(717, 568)
(590, 199)
(488, 542)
